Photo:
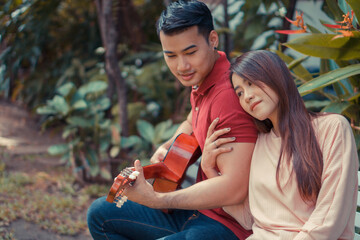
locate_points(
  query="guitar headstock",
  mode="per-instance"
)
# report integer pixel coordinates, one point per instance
(124, 179)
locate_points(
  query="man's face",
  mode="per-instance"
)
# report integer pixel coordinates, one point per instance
(189, 56)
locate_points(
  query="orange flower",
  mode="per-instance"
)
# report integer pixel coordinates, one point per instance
(299, 22)
(347, 21)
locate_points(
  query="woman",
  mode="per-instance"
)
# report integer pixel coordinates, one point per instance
(303, 177)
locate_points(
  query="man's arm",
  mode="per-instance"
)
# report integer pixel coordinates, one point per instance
(229, 188)
(185, 127)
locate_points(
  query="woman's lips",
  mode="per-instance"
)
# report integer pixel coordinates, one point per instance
(254, 105)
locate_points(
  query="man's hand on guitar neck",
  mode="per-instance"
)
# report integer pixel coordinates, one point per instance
(141, 191)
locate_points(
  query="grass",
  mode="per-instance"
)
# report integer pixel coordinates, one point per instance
(53, 202)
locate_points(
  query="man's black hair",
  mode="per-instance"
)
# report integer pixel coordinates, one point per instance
(182, 14)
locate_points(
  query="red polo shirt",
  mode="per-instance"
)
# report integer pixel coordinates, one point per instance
(216, 98)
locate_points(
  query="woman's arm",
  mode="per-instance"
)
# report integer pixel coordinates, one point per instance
(212, 148)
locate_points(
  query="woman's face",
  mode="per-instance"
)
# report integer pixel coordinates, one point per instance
(261, 102)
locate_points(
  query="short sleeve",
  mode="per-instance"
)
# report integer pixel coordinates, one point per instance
(226, 106)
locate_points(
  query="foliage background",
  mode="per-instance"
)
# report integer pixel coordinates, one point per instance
(53, 60)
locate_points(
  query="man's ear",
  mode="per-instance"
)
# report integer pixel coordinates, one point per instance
(213, 39)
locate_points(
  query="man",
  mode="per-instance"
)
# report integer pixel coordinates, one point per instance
(189, 45)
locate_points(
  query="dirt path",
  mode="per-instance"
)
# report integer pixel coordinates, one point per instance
(23, 148)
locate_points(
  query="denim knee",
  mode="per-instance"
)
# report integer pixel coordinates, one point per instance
(94, 213)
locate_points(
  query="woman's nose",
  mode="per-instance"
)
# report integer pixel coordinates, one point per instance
(248, 96)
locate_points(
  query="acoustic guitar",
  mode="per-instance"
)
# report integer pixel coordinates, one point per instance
(168, 175)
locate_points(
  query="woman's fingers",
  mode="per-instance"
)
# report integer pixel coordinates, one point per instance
(222, 150)
(220, 141)
(218, 133)
(212, 127)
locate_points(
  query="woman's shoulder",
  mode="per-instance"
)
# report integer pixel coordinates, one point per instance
(330, 121)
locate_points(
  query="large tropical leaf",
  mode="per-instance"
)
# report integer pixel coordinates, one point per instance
(355, 5)
(325, 46)
(329, 78)
(299, 70)
(336, 107)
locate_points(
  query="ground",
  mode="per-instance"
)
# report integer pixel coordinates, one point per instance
(23, 155)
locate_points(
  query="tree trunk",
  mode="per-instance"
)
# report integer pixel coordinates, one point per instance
(226, 25)
(286, 25)
(109, 38)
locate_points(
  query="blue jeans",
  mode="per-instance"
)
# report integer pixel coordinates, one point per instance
(135, 221)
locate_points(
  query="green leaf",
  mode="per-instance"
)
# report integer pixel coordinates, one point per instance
(58, 149)
(127, 142)
(101, 104)
(94, 170)
(79, 121)
(344, 6)
(69, 131)
(92, 87)
(297, 62)
(146, 130)
(253, 30)
(170, 132)
(160, 129)
(105, 173)
(353, 97)
(355, 80)
(114, 151)
(45, 110)
(336, 107)
(299, 70)
(324, 46)
(316, 104)
(335, 9)
(59, 104)
(312, 28)
(355, 5)
(65, 89)
(329, 78)
(79, 105)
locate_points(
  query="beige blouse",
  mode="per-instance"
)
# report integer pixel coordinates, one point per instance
(284, 215)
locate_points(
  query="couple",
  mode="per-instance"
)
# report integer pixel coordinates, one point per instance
(299, 180)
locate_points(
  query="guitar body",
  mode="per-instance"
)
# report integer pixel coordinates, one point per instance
(167, 174)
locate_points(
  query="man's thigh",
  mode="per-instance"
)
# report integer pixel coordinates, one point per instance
(133, 221)
(201, 227)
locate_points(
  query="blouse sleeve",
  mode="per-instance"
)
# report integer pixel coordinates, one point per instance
(335, 208)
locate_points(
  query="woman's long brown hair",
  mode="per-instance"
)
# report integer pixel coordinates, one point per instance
(298, 140)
